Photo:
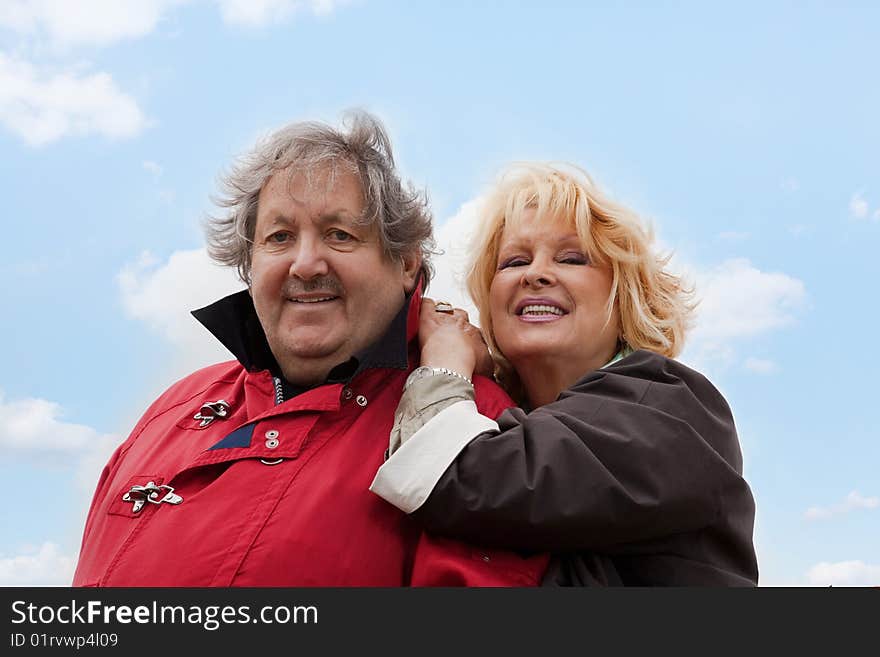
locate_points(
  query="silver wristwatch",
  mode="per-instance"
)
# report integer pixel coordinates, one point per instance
(425, 371)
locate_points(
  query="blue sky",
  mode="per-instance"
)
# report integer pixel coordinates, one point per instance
(747, 136)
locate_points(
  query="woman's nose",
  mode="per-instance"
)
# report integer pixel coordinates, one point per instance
(538, 274)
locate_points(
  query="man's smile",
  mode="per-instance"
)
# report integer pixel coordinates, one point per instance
(312, 300)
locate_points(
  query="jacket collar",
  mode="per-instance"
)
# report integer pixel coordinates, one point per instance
(234, 322)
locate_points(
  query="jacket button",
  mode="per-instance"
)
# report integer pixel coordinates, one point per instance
(272, 443)
(361, 400)
(271, 433)
(347, 393)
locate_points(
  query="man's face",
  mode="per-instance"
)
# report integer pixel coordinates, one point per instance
(321, 284)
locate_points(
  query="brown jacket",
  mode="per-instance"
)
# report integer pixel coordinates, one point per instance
(633, 476)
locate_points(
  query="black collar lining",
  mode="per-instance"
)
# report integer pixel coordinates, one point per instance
(234, 322)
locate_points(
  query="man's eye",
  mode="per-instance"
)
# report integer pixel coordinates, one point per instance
(338, 235)
(513, 262)
(280, 237)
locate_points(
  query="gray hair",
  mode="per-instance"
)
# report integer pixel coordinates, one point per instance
(399, 210)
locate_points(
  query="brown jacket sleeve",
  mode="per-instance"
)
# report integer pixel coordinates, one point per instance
(642, 450)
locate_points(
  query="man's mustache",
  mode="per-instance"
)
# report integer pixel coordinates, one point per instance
(330, 284)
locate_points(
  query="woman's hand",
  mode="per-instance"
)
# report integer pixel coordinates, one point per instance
(449, 340)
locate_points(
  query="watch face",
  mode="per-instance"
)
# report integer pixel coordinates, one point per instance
(418, 373)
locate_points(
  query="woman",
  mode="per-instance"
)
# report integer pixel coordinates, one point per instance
(621, 461)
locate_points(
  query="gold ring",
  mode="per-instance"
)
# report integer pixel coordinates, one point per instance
(444, 307)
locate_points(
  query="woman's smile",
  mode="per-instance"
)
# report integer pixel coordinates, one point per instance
(540, 309)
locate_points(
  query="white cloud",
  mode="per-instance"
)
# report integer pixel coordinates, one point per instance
(790, 184)
(856, 501)
(453, 239)
(42, 107)
(153, 167)
(44, 566)
(41, 104)
(853, 501)
(163, 294)
(256, 13)
(738, 301)
(876, 215)
(844, 573)
(84, 22)
(733, 236)
(32, 429)
(98, 23)
(760, 366)
(33, 433)
(35, 425)
(858, 206)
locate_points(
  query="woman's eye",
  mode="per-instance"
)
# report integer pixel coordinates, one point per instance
(513, 262)
(574, 259)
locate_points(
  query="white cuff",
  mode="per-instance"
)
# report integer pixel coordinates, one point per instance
(407, 478)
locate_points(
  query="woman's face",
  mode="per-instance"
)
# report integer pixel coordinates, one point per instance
(548, 302)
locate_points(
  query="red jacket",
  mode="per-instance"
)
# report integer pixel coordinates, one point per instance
(273, 495)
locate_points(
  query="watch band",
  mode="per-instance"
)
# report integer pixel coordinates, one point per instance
(425, 371)
(444, 370)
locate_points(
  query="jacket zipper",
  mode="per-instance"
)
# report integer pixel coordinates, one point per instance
(279, 391)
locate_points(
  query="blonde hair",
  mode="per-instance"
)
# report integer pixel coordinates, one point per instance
(654, 305)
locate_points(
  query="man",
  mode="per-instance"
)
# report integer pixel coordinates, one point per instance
(256, 472)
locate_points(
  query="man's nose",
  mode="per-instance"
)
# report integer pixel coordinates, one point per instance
(309, 258)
